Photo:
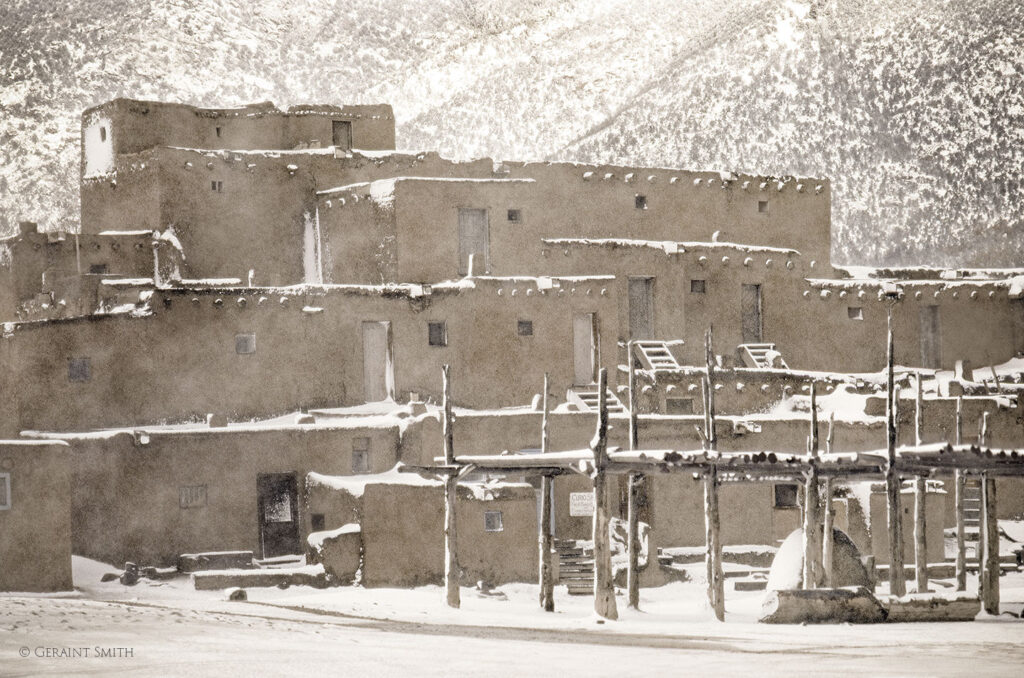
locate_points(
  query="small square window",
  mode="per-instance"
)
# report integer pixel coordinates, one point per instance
(360, 455)
(762, 207)
(317, 522)
(855, 312)
(524, 328)
(492, 521)
(216, 186)
(515, 216)
(5, 491)
(245, 344)
(103, 133)
(697, 287)
(786, 496)
(437, 334)
(678, 405)
(98, 268)
(640, 201)
(79, 369)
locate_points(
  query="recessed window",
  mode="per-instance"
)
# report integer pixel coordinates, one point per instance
(103, 133)
(216, 186)
(515, 216)
(360, 455)
(678, 405)
(697, 286)
(762, 207)
(437, 334)
(192, 496)
(245, 344)
(640, 201)
(218, 132)
(98, 268)
(79, 369)
(855, 312)
(317, 522)
(524, 328)
(492, 521)
(5, 491)
(786, 496)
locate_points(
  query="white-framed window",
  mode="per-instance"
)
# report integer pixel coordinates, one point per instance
(492, 521)
(360, 455)
(5, 491)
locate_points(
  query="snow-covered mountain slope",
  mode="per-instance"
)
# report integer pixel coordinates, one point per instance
(914, 108)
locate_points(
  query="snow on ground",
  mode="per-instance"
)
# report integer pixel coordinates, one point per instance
(172, 629)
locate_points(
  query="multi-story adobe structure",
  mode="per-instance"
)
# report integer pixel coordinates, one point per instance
(252, 262)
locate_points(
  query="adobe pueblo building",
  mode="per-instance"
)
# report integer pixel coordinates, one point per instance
(247, 336)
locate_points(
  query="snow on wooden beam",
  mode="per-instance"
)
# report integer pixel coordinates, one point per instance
(604, 585)
(546, 538)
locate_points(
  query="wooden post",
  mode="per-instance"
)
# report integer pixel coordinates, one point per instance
(712, 523)
(451, 481)
(988, 575)
(960, 486)
(897, 584)
(828, 540)
(812, 546)
(604, 585)
(635, 481)
(920, 500)
(546, 539)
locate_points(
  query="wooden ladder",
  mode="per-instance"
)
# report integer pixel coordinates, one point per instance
(588, 400)
(655, 355)
(756, 356)
(972, 513)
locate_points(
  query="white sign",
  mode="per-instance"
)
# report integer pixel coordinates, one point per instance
(581, 503)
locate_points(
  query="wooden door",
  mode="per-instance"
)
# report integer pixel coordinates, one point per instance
(378, 377)
(931, 354)
(750, 307)
(641, 308)
(341, 135)
(474, 238)
(584, 349)
(278, 506)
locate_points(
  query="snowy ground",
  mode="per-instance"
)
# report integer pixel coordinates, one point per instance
(171, 629)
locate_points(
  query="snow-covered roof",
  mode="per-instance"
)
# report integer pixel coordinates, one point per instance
(667, 246)
(383, 186)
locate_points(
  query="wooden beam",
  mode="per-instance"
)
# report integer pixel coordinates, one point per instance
(546, 538)
(604, 585)
(920, 498)
(988, 575)
(960, 487)
(827, 537)
(712, 521)
(635, 482)
(451, 483)
(812, 545)
(897, 584)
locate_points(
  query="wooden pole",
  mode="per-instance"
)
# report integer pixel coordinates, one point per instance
(451, 559)
(547, 584)
(828, 539)
(960, 486)
(812, 546)
(604, 585)
(712, 523)
(920, 499)
(988, 575)
(897, 584)
(635, 480)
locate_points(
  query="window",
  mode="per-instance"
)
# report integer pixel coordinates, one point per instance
(786, 496)
(640, 201)
(216, 186)
(855, 312)
(317, 522)
(360, 455)
(103, 133)
(762, 207)
(5, 491)
(515, 216)
(524, 328)
(217, 130)
(192, 496)
(98, 268)
(492, 521)
(79, 369)
(245, 344)
(678, 405)
(697, 287)
(437, 334)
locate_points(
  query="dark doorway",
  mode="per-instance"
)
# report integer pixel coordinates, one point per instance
(341, 134)
(750, 306)
(641, 308)
(279, 514)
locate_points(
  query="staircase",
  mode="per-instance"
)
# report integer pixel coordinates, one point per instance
(972, 513)
(575, 567)
(655, 355)
(757, 356)
(588, 400)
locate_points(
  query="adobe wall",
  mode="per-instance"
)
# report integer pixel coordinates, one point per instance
(403, 536)
(35, 532)
(934, 510)
(126, 503)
